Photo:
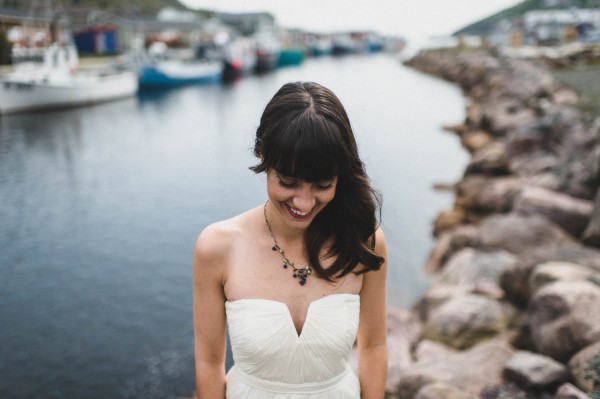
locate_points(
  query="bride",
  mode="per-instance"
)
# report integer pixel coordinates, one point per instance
(300, 278)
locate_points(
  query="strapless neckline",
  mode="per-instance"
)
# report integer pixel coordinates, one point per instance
(287, 309)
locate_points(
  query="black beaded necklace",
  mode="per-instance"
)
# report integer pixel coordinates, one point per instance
(301, 273)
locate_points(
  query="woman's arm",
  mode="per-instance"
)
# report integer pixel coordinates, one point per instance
(372, 330)
(209, 314)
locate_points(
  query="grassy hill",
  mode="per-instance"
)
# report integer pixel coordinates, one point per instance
(486, 25)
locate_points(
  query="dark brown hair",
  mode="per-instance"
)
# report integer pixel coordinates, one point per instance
(305, 133)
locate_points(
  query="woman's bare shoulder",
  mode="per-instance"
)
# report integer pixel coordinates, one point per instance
(217, 239)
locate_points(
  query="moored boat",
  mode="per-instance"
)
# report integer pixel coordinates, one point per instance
(163, 70)
(290, 57)
(50, 78)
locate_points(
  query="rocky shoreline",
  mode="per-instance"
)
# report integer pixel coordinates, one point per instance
(514, 309)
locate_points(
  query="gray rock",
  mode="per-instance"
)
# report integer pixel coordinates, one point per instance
(489, 160)
(427, 350)
(591, 236)
(448, 243)
(569, 391)
(439, 390)
(404, 330)
(547, 180)
(587, 362)
(515, 281)
(534, 162)
(572, 214)
(471, 370)
(469, 266)
(517, 233)
(564, 317)
(549, 272)
(465, 320)
(486, 195)
(535, 371)
(448, 220)
(507, 390)
(436, 295)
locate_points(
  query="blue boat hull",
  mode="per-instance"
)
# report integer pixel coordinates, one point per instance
(151, 77)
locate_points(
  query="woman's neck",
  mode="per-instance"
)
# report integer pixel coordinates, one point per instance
(282, 233)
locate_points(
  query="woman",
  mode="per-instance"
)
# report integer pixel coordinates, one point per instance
(299, 278)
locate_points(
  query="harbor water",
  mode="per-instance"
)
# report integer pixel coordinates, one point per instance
(100, 208)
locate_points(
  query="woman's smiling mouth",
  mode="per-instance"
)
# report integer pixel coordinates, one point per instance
(296, 213)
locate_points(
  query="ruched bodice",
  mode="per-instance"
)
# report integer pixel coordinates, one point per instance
(273, 361)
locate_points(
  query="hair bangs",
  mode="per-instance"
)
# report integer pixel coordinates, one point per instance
(309, 148)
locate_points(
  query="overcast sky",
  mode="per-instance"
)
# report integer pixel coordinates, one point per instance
(412, 19)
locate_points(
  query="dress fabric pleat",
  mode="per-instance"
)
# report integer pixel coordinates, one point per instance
(273, 362)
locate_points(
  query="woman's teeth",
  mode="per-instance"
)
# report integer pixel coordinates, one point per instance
(298, 212)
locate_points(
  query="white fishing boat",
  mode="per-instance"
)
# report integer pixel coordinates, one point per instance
(50, 78)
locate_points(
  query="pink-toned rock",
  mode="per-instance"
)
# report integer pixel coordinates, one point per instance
(427, 350)
(569, 391)
(572, 214)
(515, 281)
(403, 332)
(489, 160)
(466, 320)
(469, 266)
(535, 371)
(472, 370)
(565, 96)
(549, 272)
(486, 195)
(448, 243)
(518, 233)
(448, 220)
(587, 362)
(439, 390)
(564, 317)
(591, 236)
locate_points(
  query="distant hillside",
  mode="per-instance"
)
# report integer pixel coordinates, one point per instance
(119, 7)
(486, 25)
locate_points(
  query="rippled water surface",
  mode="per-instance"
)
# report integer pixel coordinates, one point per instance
(100, 208)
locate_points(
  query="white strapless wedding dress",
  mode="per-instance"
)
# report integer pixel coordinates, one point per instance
(273, 362)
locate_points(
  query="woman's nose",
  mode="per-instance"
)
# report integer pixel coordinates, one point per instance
(304, 200)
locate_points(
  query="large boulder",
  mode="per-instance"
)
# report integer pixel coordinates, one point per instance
(535, 371)
(466, 320)
(518, 233)
(489, 160)
(472, 370)
(469, 266)
(504, 115)
(448, 243)
(549, 272)
(404, 330)
(569, 391)
(439, 390)
(482, 194)
(515, 281)
(563, 317)
(572, 214)
(591, 236)
(585, 368)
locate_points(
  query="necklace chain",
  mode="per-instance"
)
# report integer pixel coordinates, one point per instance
(299, 273)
